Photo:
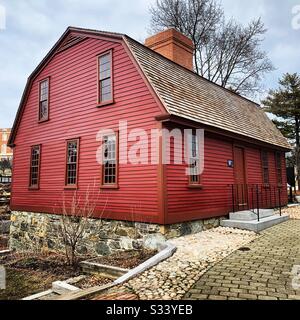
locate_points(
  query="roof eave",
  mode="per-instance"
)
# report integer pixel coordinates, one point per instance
(195, 124)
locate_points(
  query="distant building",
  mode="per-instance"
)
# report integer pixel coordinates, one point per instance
(5, 151)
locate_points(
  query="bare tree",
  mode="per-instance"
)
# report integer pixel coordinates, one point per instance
(75, 221)
(226, 52)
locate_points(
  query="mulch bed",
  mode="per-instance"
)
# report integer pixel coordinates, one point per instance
(92, 281)
(4, 216)
(29, 273)
(3, 242)
(126, 259)
(23, 283)
(48, 262)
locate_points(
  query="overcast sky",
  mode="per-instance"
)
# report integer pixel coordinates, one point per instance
(33, 26)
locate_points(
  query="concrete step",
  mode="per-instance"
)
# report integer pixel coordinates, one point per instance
(248, 215)
(254, 225)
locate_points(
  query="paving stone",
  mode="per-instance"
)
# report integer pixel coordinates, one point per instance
(247, 296)
(258, 292)
(294, 297)
(240, 282)
(264, 272)
(229, 294)
(230, 285)
(213, 297)
(199, 296)
(267, 298)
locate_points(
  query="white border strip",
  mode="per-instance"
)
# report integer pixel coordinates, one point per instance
(167, 252)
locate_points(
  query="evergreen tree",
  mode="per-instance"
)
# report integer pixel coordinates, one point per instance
(284, 103)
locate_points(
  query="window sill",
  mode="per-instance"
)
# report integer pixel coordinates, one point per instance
(71, 187)
(195, 186)
(34, 188)
(42, 121)
(106, 103)
(106, 186)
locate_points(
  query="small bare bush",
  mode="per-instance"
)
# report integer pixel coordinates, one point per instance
(75, 221)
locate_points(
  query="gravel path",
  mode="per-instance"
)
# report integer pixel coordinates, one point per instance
(293, 212)
(195, 254)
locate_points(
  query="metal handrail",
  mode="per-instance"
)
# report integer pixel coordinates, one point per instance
(254, 197)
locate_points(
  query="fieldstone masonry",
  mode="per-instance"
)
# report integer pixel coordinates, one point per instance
(31, 231)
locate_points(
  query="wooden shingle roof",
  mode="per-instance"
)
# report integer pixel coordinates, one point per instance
(187, 95)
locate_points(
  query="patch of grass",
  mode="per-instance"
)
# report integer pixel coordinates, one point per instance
(22, 283)
(28, 273)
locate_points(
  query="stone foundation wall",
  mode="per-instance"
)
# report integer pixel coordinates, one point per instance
(35, 231)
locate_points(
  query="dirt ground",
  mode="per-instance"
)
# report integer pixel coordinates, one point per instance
(3, 242)
(92, 281)
(28, 274)
(127, 259)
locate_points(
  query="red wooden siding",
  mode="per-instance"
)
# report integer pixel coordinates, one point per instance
(73, 114)
(214, 198)
(146, 193)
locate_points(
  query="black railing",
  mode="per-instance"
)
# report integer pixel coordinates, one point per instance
(255, 197)
(5, 179)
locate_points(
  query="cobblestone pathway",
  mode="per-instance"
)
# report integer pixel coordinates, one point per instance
(262, 273)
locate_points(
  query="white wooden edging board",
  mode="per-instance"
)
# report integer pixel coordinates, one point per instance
(167, 252)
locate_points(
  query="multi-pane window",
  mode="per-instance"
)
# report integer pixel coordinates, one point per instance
(194, 161)
(265, 166)
(105, 78)
(278, 167)
(72, 162)
(35, 166)
(109, 160)
(44, 100)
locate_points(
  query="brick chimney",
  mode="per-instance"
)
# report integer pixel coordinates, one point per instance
(174, 46)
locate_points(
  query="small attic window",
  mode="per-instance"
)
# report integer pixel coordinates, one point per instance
(44, 100)
(105, 82)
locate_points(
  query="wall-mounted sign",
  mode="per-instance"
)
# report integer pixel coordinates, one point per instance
(230, 163)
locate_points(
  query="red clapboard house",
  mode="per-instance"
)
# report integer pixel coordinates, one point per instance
(92, 80)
